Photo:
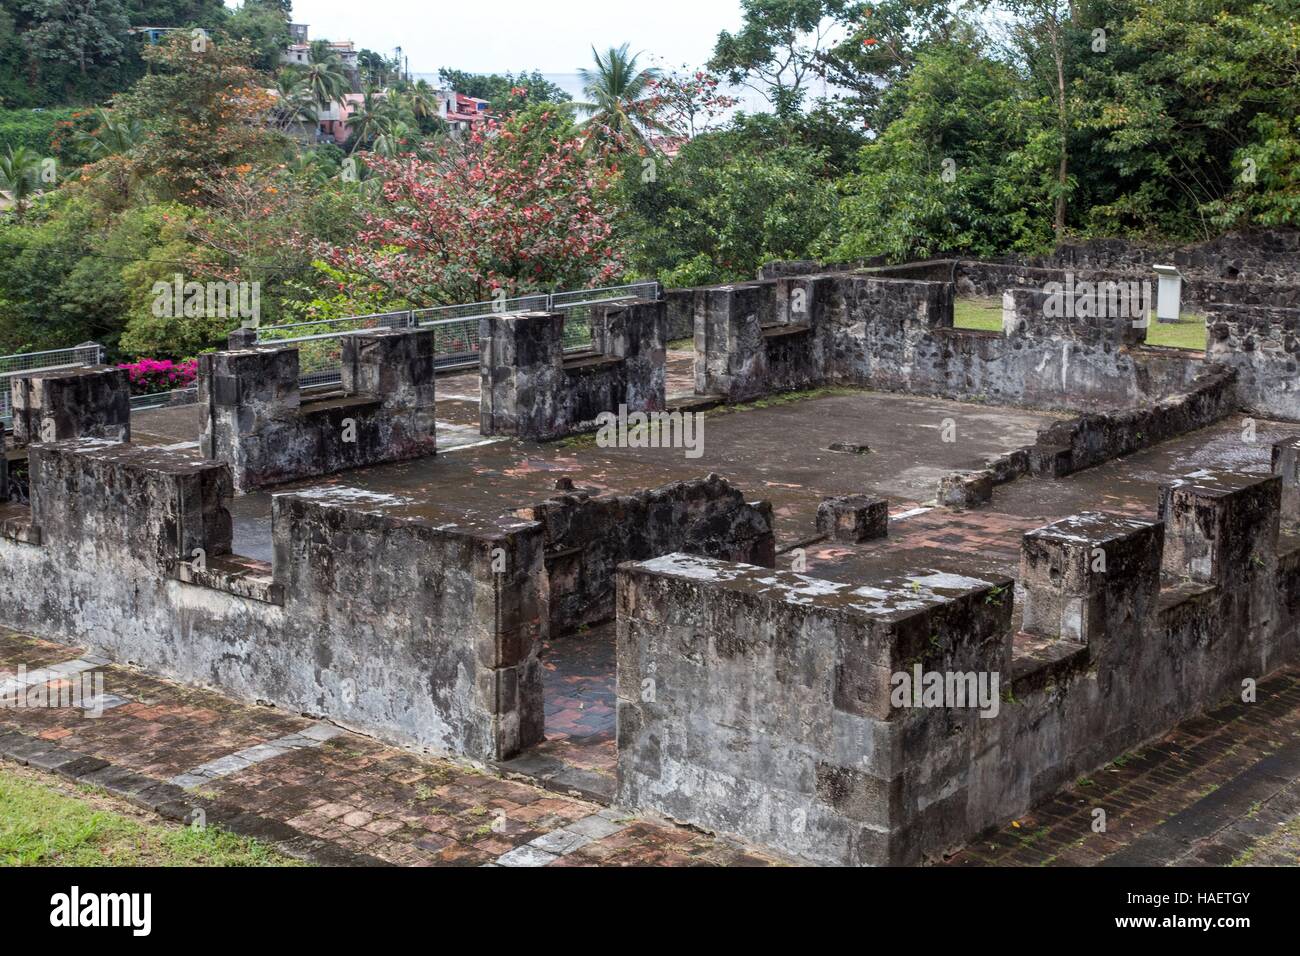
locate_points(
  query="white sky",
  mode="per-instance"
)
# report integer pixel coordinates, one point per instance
(554, 36)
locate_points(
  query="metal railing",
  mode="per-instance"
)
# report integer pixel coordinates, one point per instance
(320, 343)
(13, 366)
(455, 327)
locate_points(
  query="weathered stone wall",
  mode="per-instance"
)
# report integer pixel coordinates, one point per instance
(756, 703)
(406, 624)
(93, 402)
(762, 703)
(992, 278)
(258, 422)
(1260, 255)
(1096, 437)
(531, 389)
(897, 334)
(1263, 345)
(588, 536)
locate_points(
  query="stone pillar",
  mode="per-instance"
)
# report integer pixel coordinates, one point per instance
(395, 366)
(240, 392)
(73, 403)
(1086, 575)
(521, 369)
(241, 338)
(730, 353)
(1220, 526)
(1286, 464)
(634, 332)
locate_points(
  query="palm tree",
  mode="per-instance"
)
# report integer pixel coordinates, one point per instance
(370, 119)
(424, 101)
(394, 136)
(326, 80)
(19, 172)
(293, 100)
(111, 136)
(621, 108)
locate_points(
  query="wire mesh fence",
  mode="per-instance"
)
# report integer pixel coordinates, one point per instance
(455, 327)
(320, 342)
(13, 366)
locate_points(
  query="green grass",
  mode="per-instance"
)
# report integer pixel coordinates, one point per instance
(42, 824)
(980, 313)
(985, 314)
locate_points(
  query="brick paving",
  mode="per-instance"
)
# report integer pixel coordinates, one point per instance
(347, 799)
(1223, 789)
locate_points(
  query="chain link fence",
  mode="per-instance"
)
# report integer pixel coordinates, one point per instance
(455, 327)
(13, 366)
(320, 343)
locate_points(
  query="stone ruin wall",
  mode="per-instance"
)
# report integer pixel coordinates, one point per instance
(758, 703)
(257, 420)
(588, 536)
(531, 389)
(381, 614)
(397, 626)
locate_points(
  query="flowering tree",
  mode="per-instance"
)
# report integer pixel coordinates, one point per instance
(689, 103)
(514, 209)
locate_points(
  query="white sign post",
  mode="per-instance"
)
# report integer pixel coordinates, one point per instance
(1169, 299)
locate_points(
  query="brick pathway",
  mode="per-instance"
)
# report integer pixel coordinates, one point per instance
(1222, 789)
(316, 792)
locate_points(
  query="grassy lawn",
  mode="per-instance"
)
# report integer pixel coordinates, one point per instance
(979, 313)
(47, 822)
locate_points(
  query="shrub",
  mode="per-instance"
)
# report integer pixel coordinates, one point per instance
(150, 376)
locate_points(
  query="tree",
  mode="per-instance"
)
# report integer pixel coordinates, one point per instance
(683, 100)
(875, 46)
(20, 177)
(773, 51)
(110, 135)
(325, 80)
(1190, 116)
(264, 28)
(505, 92)
(369, 120)
(622, 105)
(728, 202)
(202, 110)
(967, 166)
(470, 221)
(1044, 32)
(87, 32)
(294, 102)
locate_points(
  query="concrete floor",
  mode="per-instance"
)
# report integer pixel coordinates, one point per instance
(777, 451)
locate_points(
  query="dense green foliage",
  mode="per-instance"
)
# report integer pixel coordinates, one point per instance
(941, 126)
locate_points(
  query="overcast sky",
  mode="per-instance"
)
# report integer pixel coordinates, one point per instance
(554, 36)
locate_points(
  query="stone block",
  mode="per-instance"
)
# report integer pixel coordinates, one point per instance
(853, 518)
(966, 490)
(1286, 465)
(1083, 573)
(76, 403)
(1220, 525)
